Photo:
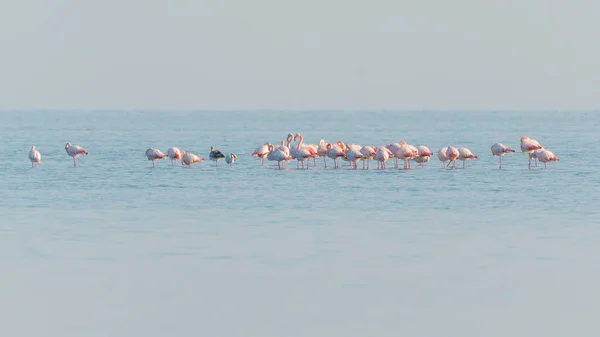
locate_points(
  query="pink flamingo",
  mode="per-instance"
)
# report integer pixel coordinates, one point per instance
(423, 154)
(175, 154)
(278, 155)
(261, 152)
(545, 156)
(530, 145)
(452, 154)
(382, 155)
(443, 156)
(368, 154)
(190, 159)
(154, 154)
(74, 151)
(500, 150)
(465, 154)
(303, 152)
(34, 156)
(335, 151)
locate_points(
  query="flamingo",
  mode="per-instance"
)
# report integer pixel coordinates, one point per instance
(465, 154)
(382, 154)
(230, 158)
(406, 152)
(190, 159)
(530, 145)
(215, 155)
(302, 153)
(322, 151)
(34, 156)
(394, 147)
(452, 154)
(423, 154)
(74, 151)
(443, 156)
(368, 154)
(261, 152)
(277, 155)
(154, 154)
(175, 154)
(353, 155)
(335, 151)
(545, 156)
(500, 150)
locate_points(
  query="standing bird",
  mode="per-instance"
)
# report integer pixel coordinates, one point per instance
(322, 151)
(465, 154)
(154, 154)
(368, 153)
(382, 155)
(442, 156)
(175, 154)
(530, 145)
(452, 154)
(74, 151)
(215, 155)
(261, 152)
(34, 156)
(278, 155)
(545, 156)
(189, 159)
(423, 154)
(231, 158)
(500, 150)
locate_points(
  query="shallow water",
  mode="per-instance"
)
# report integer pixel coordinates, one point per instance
(116, 248)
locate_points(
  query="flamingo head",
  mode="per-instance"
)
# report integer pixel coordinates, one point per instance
(270, 147)
(329, 146)
(402, 143)
(212, 148)
(67, 145)
(32, 147)
(289, 137)
(322, 142)
(524, 138)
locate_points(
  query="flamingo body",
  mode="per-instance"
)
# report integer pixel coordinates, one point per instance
(75, 151)
(34, 156)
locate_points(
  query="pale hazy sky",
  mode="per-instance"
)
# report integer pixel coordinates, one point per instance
(309, 54)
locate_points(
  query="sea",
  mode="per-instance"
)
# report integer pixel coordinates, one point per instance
(115, 247)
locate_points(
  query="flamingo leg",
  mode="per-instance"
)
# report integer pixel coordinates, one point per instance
(536, 161)
(545, 166)
(464, 162)
(529, 165)
(500, 168)
(74, 163)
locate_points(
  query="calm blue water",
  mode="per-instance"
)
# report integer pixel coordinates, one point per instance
(116, 248)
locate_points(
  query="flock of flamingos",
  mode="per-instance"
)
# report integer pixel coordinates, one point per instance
(351, 153)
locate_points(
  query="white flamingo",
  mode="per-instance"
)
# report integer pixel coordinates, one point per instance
(175, 154)
(500, 150)
(34, 156)
(154, 154)
(465, 154)
(189, 159)
(74, 151)
(545, 156)
(452, 154)
(261, 152)
(528, 146)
